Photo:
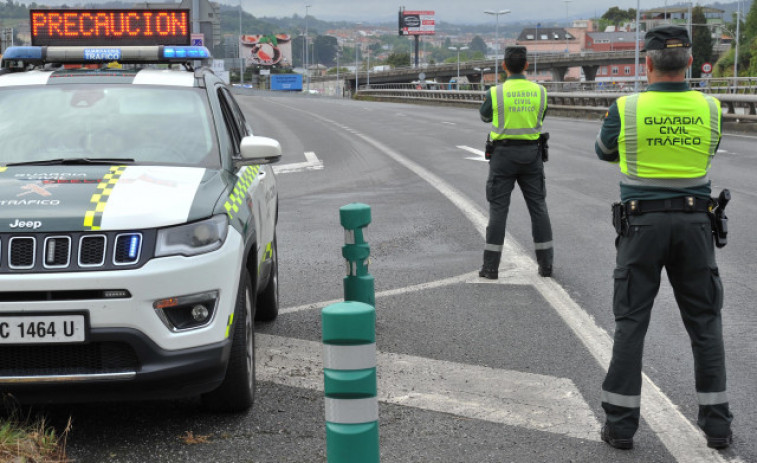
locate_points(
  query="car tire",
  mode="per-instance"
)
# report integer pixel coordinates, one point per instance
(268, 300)
(237, 392)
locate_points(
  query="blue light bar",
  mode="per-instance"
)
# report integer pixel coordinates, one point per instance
(133, 246)
(25, 53)
(185, 52)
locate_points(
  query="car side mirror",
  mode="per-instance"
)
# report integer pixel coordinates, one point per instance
(258, 150)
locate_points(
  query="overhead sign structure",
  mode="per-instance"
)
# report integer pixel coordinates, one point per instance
(108, 26)
(417, 22)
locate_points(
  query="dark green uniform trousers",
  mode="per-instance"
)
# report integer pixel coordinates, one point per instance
(682, 243)
(508, 165)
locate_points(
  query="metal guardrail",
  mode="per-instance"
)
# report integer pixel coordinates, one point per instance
(736, 107)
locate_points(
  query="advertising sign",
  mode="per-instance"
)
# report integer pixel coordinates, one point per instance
(291, 82)
(106, 26)
(417, 22)
(266, 50)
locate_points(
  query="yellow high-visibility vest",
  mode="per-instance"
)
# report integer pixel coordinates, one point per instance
(667, 135)
(518, 108)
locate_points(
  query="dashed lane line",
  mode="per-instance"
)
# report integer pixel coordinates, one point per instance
(513, 398)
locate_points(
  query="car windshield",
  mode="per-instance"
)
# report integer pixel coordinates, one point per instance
(144, 124)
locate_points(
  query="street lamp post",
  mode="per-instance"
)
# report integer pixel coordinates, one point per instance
(239, 47)
(307, 70)
(458, 63)
(536, 56)
(496, 42)
(736, 56)
(357, 63)
(482, 71)
(636, 50)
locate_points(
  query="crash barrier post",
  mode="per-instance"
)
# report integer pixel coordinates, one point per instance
(358, 284)
(349, 376)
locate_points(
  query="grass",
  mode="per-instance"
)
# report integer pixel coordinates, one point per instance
(31, 440)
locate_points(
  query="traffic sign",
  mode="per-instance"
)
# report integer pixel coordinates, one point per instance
(706, 68)
(198, 39)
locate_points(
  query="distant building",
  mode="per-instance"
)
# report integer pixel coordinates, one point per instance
(540, 40)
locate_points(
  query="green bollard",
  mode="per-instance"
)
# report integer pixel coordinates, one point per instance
(349, 374)
(358, 284)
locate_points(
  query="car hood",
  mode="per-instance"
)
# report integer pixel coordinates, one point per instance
(81, 198)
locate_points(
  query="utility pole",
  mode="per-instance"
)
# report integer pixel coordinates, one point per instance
(496, 42)
(307, 69)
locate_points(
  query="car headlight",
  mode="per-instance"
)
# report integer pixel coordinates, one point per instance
(193, 238)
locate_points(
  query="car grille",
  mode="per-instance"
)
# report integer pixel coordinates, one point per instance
(71, 359)
(74, 252)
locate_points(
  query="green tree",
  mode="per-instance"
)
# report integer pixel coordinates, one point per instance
(701, 41)
(477, 45)
(325, 48)
(616, 16)
(398, 59)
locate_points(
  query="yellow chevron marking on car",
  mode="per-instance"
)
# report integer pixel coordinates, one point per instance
(268, 254)
(228, 327)
(240, 190)
(93, 217)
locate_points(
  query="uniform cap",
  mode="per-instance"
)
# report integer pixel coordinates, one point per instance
(661, 38)
(515, 51)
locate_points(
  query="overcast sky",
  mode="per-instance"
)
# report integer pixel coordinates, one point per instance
(450, 11)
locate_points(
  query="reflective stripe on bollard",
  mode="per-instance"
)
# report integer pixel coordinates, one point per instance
(349, 377)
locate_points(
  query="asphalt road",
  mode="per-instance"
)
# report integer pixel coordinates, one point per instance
(469, 371)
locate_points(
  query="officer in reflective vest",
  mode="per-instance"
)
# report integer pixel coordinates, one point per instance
(664, 140)
(516, 110)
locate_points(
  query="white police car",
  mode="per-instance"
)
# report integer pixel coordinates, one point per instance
(137, 216)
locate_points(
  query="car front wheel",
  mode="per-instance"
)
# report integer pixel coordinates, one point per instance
(237, 392)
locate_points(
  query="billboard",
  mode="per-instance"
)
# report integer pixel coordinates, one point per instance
(266, 50)
(291, 82)
(416, 22)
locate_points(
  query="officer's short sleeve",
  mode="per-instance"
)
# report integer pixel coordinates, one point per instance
(486, 108)
(606, 144)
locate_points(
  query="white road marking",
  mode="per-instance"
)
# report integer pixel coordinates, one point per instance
(312, 163)
(679, 435)
(449, 123)
(682, 439)
(391, 292)
(527, 400)
(480, 156)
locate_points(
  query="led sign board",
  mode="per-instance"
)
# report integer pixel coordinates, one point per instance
(72, 27)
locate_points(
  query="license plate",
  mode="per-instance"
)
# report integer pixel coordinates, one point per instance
(41, 329)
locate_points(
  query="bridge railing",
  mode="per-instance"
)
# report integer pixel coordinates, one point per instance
(736, 107)
(742, 85)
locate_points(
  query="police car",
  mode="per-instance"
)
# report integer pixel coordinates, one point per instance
(137, 216)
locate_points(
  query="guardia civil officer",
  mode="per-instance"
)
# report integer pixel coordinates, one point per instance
(664, 139)
(516, 110)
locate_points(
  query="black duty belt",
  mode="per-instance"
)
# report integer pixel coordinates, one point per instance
(508, 142)
(680, 204)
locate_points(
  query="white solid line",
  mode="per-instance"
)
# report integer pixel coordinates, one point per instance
(685, 442)
(527, 400)
(467, 277)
